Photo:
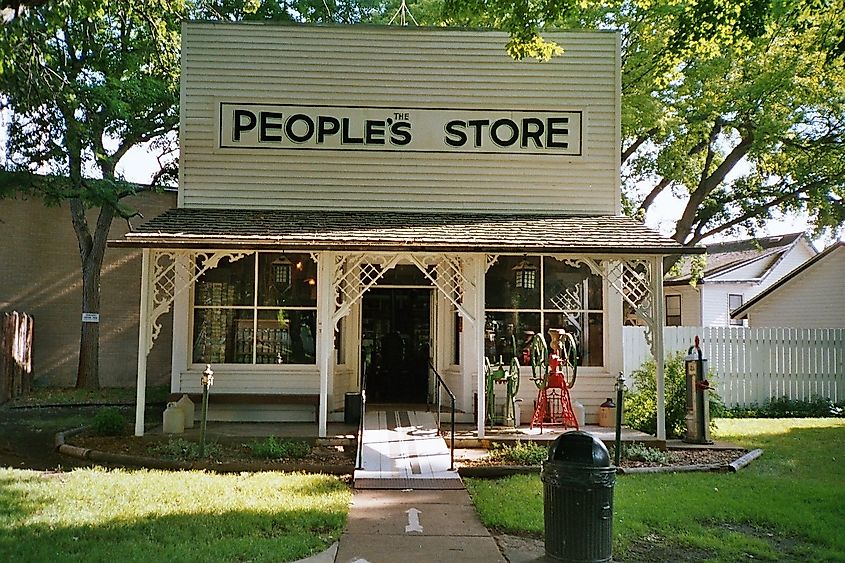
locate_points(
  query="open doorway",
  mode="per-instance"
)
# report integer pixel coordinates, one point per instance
(396, 335)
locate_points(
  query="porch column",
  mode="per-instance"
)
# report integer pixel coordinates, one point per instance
(325, 334)
(657, 307)
(477, 270)
(143, 343)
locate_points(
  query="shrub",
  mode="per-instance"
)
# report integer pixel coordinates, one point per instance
(179, 449)
(527, 453)
(640, 452)
(273, 448)
(108, 422)
(640, 406)
(784, 407)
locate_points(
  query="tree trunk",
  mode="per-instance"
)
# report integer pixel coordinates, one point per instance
(91, 251)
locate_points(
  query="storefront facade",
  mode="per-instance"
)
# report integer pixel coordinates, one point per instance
(392, 200)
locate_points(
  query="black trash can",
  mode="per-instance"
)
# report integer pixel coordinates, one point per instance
(352, 408)
(578, 485)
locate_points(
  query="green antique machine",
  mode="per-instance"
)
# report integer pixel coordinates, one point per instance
(506, 375)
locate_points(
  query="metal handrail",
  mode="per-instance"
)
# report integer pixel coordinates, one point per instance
(359, 456)
(437, 399)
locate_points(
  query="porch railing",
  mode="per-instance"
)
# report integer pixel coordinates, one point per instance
(442, 384)
(359, 456)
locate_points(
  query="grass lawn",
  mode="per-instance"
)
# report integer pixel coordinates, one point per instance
(788, 505)
(116, 515)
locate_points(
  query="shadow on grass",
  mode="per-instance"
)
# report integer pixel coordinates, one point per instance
(228, 536)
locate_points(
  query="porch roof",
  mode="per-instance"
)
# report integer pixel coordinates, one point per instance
(398, 231)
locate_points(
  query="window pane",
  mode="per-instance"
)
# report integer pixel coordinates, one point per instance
(286, 337)
(498, 330)
(673, 310)
(222, 336)
(513, 282)
(286, 279)
(569, 288)
(587, 328)
(230, 283)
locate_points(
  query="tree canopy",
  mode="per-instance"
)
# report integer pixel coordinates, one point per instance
(82, 82)
(737, 108)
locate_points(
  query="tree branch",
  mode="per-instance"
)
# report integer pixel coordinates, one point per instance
(626, 154)
(684, 226)
(652, 195)
(750, 214)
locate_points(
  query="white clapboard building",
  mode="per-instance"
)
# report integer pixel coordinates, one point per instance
(396, 201)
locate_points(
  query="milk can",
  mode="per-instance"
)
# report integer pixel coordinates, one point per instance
(174, 419)
(187, 406)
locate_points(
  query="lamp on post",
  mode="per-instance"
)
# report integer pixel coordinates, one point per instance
(207, 381)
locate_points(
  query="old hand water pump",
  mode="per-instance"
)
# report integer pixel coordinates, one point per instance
(698, 399)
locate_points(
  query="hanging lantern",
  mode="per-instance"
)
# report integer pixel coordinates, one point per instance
(281, 270)
(525, 275)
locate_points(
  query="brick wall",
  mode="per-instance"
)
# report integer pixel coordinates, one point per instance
(40, 275)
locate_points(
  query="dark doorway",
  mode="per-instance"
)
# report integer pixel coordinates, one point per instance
(395, 343)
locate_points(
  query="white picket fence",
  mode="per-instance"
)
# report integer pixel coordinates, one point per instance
(754, 365)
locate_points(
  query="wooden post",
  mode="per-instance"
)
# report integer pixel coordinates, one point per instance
(325, 334)
(476, 273)
(657, 342)
(143, 343)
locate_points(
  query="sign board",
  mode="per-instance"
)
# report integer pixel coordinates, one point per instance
(270, 126)
(90, 317)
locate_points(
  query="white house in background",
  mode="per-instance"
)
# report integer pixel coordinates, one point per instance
(736, 272)
(811, 296)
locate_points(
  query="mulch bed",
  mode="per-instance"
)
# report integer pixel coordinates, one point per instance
(678, 458)
(232, 452)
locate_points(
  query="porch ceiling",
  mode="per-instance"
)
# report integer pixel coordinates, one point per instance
(398, 231)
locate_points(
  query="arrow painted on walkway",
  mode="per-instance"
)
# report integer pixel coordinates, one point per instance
(413, 521)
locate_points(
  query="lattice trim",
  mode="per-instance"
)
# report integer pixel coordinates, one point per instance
(491, 259)
(446, 275)
(173, 271)
(354, 274)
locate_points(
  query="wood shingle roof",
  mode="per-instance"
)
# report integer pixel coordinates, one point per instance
(367, 230)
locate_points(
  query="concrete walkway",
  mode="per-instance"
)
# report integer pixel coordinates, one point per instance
(408, 505)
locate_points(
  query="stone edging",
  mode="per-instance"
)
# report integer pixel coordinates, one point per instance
(496, 471)
(154, 463)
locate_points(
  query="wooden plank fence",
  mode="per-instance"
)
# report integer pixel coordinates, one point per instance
(16, 332)
(754, 365)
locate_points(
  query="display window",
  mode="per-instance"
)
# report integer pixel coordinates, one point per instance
(260, 309)
(527, 294)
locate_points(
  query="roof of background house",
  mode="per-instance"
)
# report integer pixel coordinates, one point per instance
(741, 312)
(725, 256)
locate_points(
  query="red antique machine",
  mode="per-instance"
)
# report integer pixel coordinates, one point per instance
(554, 373)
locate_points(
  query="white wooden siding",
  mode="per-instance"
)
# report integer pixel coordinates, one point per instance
(395, 68)
(286, 380)
(755, 365)
(814, 298)
(690, 302)
(714, 301)
(795, 257)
